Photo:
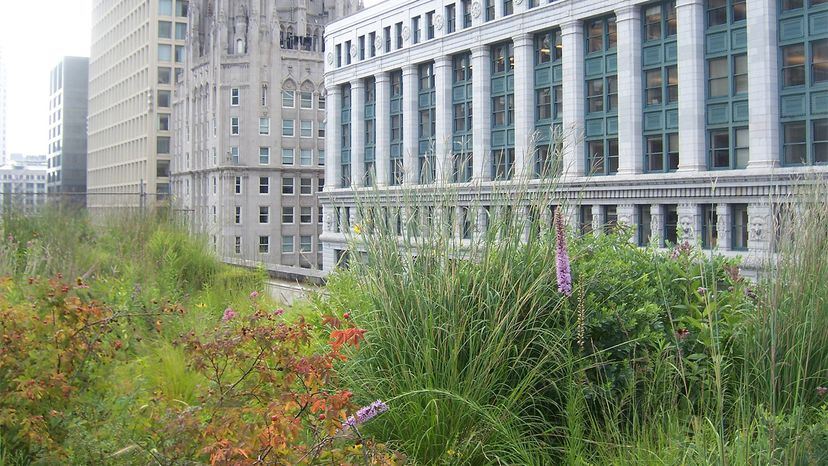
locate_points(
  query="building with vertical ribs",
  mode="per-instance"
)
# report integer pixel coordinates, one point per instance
(681, 118)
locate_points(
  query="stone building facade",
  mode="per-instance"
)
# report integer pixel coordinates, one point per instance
(685, 119)
(249, 130)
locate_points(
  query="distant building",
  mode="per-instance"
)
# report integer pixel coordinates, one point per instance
(3, 85)
(249, 129)
(684, 119)
(68, 99)
(137, 51)
(23, 182)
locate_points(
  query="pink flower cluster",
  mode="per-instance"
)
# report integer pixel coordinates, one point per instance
(562, 257)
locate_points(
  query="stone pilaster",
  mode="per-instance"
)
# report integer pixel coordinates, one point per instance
(656, 225)
(763, 82)
(482, 113)
(760, 226)
(628, 217)
(410, 113)
(688, 219)
(692, 82)
(357, 133)
(572, 37)
(333, 140)
(723, 223)
(383, 112)
(630, 101)
(597, 220)
(444, 123)
(524, 97)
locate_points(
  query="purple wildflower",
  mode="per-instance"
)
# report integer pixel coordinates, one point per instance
(229, 314)
(701, 290)
(365, 414)
(822, 391)
(254, 294)
(562, 257)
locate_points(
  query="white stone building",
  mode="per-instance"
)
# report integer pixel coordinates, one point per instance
(678, 115)
(23, 183)
(249, 129)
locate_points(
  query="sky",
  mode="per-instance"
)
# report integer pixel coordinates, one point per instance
(32, 46)
(33, 42)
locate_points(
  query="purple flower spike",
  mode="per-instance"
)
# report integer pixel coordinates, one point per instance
(562, 257)
(365, 414)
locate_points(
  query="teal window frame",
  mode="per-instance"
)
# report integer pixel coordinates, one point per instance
(548, 47)
(803, 136)
(426, 124)
(601, 67)
(396, 167)
(462, 108)
(369, 158)
(345, 142)
(503, 100)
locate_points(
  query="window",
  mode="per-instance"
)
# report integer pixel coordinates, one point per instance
(306, 100)
(263, 95)
(237, 244)
(235, 97)
(430, 25)
(670, 233)
(287, 244)
(739, 227)
(372, 44)
(264, 185)
(398, 35)
(162, 144)
(305, 157)
(662, 152)
(181, 31)
(415, 30)
(387, 36)
(163, 122)
(306, 186)
(287, 185)
(287, 214)
(722, 12)
(729, 148)
(164, 75)
(288, 98)
(306, 128)
(179, 54)
(234, 154)
(490, 9)
(602, 156)
(287, 156)
(643, 229)
(287, 128)
(238, 185)
(181, 8)
(305, 243)
(264, 244)
(234, 126)
(740, 74)
(238, 215)
(264, 126)
(321, 186)
(709, 233)
(467, 16)
(164, 52)
(164, 30)
(264, 214)
(585, 219)
(319, 216)
(609, 218)
(165, 7)
(264, 155)
(305, 215)
(508, 7)
(320, 102)
(595, 95)
(451, 18)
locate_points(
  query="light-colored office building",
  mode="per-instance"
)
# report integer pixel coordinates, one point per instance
(137, 51)
(3, 85)
(23, 183)
(680, 118)
(249, 130)
(68, 100)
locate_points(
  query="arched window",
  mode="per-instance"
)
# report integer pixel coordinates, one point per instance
(239, 46)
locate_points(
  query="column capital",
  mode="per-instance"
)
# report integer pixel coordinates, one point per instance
(480, 51)
(572, 27)
(442, 61)
(409, 69)
(382, 77)
(627, 13)
(685, 3)
(333, 90)
(357, 83)
(523, 40)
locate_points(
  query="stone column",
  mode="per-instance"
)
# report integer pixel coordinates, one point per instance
(763, 82)
(410, 115)
(628, 216)
(382, 150)
(656, 225)
(524, 103)
(444, 123)
(692, 82)
(597, 220)
(630, 102)
(333, 140)
(481, 113)
(357, 133)
(723, 227)
(688, 217)
(572, 37)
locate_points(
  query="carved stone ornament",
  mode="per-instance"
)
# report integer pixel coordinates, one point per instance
(330, 58)
(378, 43)
(353, 50)
(757, 228)
(686, 224)
(476, 9)
(438, 22)
(518, 2)
(406, 33)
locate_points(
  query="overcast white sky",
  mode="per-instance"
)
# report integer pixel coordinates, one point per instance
(34, 36)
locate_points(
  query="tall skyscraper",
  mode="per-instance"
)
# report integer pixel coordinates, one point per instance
(68, 100)
(249, 126)
(3, 154)
(137, 50)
